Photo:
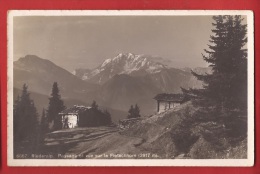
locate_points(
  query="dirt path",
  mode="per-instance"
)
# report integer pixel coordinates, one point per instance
(64, 141)
(78, 135)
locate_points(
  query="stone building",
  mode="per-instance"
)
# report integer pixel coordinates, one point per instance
(70, 116)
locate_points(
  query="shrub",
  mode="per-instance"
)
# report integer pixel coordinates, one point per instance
(182, 135)
(183, 138)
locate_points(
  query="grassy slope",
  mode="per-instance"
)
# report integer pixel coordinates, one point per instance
(151, 135)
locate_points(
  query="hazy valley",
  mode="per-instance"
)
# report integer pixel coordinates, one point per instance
(116, 84)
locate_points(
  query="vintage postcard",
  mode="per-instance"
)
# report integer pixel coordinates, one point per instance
(130, 88)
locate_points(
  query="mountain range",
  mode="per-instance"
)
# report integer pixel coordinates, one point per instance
(129, 63)
(116, 83)
(39, 74)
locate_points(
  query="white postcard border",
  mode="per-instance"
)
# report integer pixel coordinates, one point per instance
(131, 162)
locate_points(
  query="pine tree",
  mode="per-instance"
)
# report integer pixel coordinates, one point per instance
(238, 73)
(136, 111)
(226, 87)
(24, 121)
(223, 99)
(55, 107)
(44, 122)
(131, 112)
(94, 105)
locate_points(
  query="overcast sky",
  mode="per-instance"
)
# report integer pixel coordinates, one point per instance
(85, 42)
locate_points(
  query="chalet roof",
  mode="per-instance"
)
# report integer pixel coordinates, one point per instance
(169, 97)
(74, 110)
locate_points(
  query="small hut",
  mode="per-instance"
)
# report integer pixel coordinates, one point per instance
(70, 116)
(167, 101)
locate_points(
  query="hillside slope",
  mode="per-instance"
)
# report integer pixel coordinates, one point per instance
(153, 136)
(40, 74)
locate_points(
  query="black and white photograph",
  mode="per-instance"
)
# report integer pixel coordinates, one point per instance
(130, 88)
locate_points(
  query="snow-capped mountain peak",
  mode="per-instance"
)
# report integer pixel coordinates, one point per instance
(123, 63)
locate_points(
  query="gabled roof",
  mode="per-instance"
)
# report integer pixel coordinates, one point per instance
(74, 110)
(169, 97)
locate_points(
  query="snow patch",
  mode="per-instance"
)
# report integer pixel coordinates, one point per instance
(96, 71)
(85, 77)
(144, 62)
(106, 62)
